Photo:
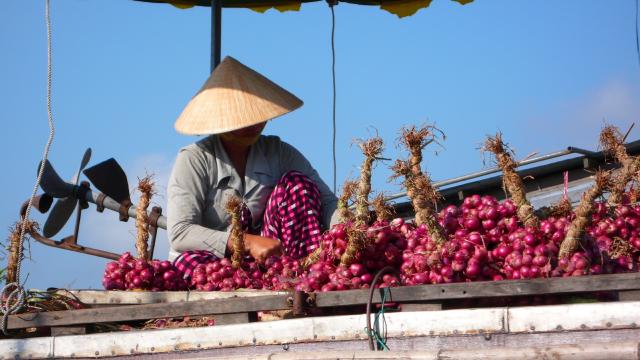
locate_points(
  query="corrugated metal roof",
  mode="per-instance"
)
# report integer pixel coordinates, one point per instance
(544, 183)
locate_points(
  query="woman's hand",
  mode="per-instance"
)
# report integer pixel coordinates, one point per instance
(261, 247)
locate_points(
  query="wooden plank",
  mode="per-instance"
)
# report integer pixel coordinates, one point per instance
(593, 283)
(100, 297)
(294, 337)
(68, 330)
(574, 317)
(230, 319)
(148, 311)
(614, 282)
(480, 342)
(633, 295)
(283, 333)
(619, 351)
(451, 329)
(420, 307)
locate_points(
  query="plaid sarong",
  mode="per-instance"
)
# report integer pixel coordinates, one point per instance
(188, 260)
(292, 215)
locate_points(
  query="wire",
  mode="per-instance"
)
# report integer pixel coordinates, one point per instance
(18, 291)
(381, 336)
(374, 332)
(333, 74)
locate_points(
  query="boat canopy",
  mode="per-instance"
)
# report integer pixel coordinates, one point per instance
(401, 8)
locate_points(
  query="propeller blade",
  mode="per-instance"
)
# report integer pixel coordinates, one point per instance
(83, 163)
(61, 212)
(109, 178)
(42, 203)
(63, 209)
(52, 184)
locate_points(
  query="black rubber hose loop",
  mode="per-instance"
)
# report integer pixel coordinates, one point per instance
(383, 271)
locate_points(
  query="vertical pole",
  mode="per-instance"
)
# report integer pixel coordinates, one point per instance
(216, 27)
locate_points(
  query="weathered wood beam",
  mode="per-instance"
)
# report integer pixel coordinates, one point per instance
(613, 282)
(485, 289)
(147, 311)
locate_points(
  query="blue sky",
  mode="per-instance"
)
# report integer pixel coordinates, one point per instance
(545, 73)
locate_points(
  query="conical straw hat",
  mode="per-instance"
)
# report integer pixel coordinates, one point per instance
(234, 97)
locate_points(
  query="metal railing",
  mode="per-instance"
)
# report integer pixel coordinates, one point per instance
(568, 151)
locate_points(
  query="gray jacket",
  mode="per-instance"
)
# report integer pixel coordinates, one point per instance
(203, 178)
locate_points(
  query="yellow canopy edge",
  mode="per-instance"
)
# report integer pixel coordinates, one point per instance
(403, 8)
(400, 8)
(291, 6)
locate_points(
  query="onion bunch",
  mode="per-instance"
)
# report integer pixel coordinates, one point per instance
(485, 242)
(129, 273)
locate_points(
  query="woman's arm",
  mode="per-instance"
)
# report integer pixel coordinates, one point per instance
(188, 186)
(187, 191)
(292, 159)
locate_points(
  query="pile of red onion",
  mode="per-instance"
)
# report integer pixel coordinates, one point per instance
(129, 273)
(220, 275)
(486, 242)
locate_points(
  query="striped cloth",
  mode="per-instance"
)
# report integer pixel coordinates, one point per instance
(292, 215)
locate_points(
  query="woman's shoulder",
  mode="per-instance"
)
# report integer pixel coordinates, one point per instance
(274, 143)
(202, 151)
(200, 147)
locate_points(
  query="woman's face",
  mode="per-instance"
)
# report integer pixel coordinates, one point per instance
(246, 136)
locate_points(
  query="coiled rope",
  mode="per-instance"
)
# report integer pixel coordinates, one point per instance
(14, 301)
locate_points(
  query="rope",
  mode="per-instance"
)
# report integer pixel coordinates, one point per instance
(19, 292)
(17, 296)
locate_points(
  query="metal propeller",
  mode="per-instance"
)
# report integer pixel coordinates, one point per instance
(63, 208)
(52, 183)
(109, 177)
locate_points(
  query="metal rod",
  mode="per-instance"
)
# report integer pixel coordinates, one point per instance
(111, 204)
(70, 243)
(76, 229)
(152, 243)
(568, 151)
(216, 32)
(153, 230)
(587, 153)
(628, 132)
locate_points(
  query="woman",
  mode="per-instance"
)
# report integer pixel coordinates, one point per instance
(285, 203)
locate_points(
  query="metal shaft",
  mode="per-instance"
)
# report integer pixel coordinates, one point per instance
(568, 151)
(111, 204)
(216, 32)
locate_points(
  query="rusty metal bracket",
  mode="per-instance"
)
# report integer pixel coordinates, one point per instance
(82, 194)
(124, 210)
(155, 214)
(302, 301)
(42, 204)
(70, 243)
(100, 202)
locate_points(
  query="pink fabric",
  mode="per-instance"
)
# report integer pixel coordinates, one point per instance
(292, 215)
(188, 260)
